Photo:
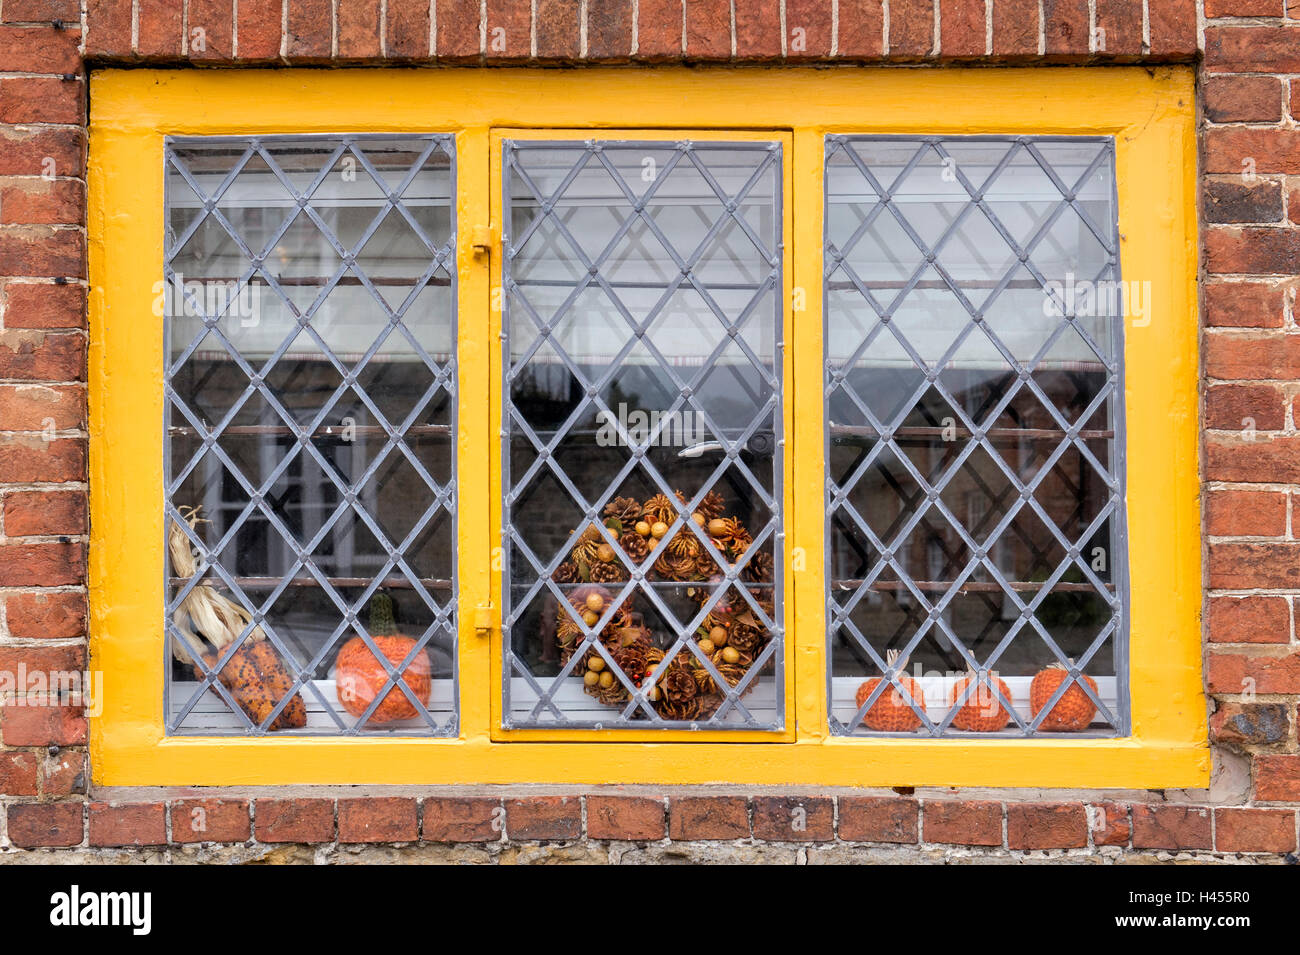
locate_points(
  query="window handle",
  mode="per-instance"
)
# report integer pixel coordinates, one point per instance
(480, 239)
(485, 619)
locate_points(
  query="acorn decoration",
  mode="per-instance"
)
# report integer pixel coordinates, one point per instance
(1073, 711)
(359, 676)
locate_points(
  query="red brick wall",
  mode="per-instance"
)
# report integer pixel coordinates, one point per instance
(1250, 83)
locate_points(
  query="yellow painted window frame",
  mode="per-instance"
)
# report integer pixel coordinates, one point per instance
(1149, 112)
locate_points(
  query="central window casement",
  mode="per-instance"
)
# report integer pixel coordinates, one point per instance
(504, 436)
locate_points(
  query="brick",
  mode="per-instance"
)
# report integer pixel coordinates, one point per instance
(1246, 408)
(862, 29)
(1235, 513)
(1243, 99)
(39, 50)
(158, 33)
(64, 773)
(46, 825)
(46, 615)
(27, 458)
(1065, 29)
(556, 24)
(211, 28)
(625, 818)
(1118, 30)
(42, 250)
(659, 30)
(359, 29)
(962, 28)
(1257, 356)
(1250, 724)
(387, 819)
(33, 11)
(1234, 673)
(1015, 29)
(708, 29)
(879, 819)
(293, 820)
(108, 28)
(210, 820)
(42, 151)
(457, 30)
(46, 659)
(31, 407)
(1251, 619)
(18, 774)
(609, 30)
(1277, 778)
(539, 818)
(1254, 830)
(1251, 565)
(911, 28)
(42, 99)
(708, 817)
(962, 823)
(406, 30)
(42, 565)
(1231, 200)
(1233, 149)
(1172, 26)
(1293, 203)
(42, 356)
(259, 29)
(311, 31)
(43, 201)
(1244, 305)
(758, 28)
(473, 819)
(1217, 9)
(133, 824)
(1110, 825)
(33, 724)
(509, 30)
(45, 514)
(1170, 827)
(1253, 49)
(1046, 826)
(794, 818)
(807, 30)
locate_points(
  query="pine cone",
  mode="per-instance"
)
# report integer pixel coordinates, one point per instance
(733, 673)
(634, 546)
(566, 573)
(677, 685)
(626, 510)
(760, 569)
(685, 544)
(711, 506)
(747, 640)
(671, 567)
(659, 508)
(607, 573)
(683, 710)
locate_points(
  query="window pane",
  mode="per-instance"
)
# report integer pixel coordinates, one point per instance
(975, 523)
(309, 306)
(642, 452)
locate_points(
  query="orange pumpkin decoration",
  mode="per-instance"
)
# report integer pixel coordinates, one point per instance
(983, 711)
(1073, 711)
(359, 675)
(891, 712)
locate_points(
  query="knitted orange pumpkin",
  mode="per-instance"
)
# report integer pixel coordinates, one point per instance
(359, 675)
(1073, 711)
(891, 712)
(983, 711)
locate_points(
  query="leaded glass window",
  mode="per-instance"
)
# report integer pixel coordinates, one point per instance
(309, 304)
(642, 434)
(975, 522)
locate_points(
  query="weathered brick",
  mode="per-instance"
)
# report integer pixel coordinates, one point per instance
(42, 355)
(53, 564)
(1046, 826)
(807, 29)
(359, 29)
(1244, 305)
(708, 817)
(28, 458)
(1231, 200)
(1015, 28)
(18, 774)
(42, 151)
(1277, 778)
(609, 30)
(758, 28)
(259, 30)
(158, 32)
(1170, 827)
(556, 25)
(962, 28)
(406, 30)
(1217, 9)
(708, 29)
(862, 29)
(1253, 49)
(1254, 830)
(1250, 724)
(64, 773)
(1246, 150)
(293, 820)
(625, 818)
(1109, 824)
(39, 50)
(659, 30)
(451, 819)
(794, 818)
(1256, 356)
(1065, 28)
(1243, 99)
(1245, 408)
(544, 818)
(1250, 619)
(879, 819)
(31, 724)
(43, 201)
(108, 31)
(46, 825)
(963, 823)
(380, 819)
(311, 31)
(42, 250)
(131, 824)
(1249, 565)
(1237, 513)
(911, 28)
(457, 30)
(32, 407)
(33, 11)
(1233, 673)
(509, 30)
(210, 820)
(1172, 26)
(211, 28)
(1118, 30)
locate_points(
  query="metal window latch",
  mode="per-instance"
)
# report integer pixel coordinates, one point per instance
(480, 239)
(485, 619)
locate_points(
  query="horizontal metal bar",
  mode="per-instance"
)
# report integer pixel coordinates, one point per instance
(324, 432)
(925, 431)
(395, 583)
(970, 586)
